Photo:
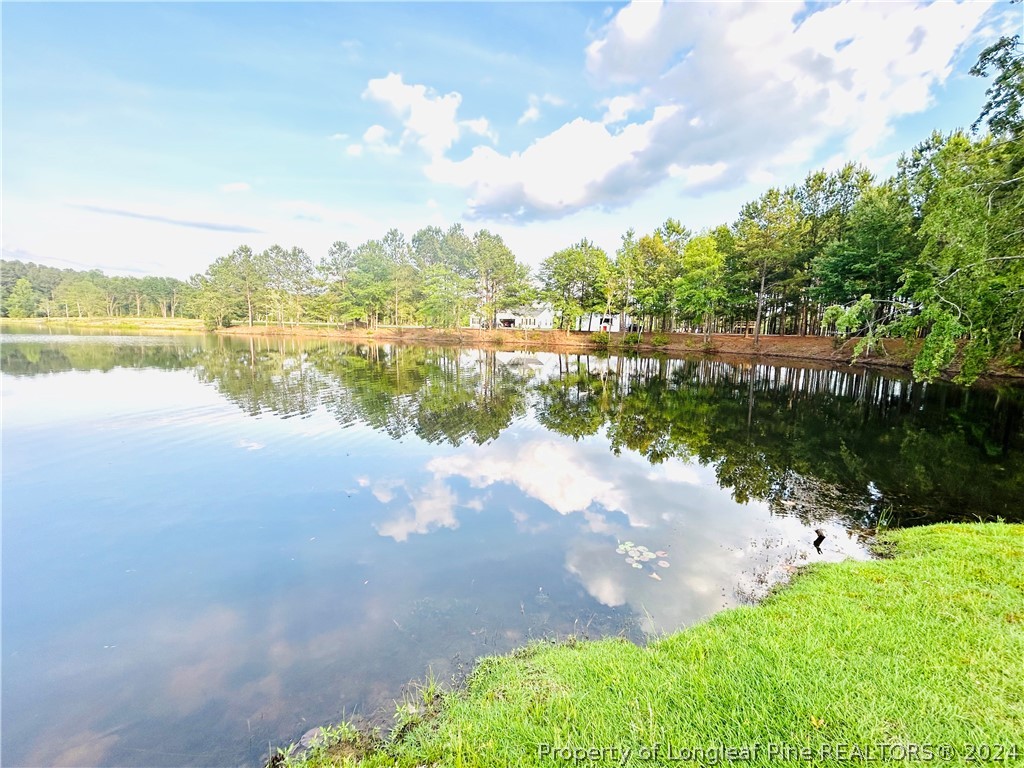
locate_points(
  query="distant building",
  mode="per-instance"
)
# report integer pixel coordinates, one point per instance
(539, 316)
(597, 321)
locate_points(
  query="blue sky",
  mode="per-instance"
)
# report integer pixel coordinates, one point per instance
(153, 138)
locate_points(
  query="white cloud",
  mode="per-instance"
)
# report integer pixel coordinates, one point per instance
(375, 139)
(759, 81)
(674, 471)
(433, 507)
(481, 127)
(532, 112)
(354, 150)
(429, 119)
(619, 107)
(542, 469)
(578, 165)
(736, 93)
(235, 186)
(338, 136)
(694, 175)
(639, 19)
(531, 115)
(385, 491)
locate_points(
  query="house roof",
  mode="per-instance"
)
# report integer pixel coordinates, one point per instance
(532, 311)
(527, 311)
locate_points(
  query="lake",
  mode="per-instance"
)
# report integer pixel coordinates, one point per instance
(211, 545)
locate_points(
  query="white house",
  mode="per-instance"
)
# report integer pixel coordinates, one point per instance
(539, 316)
(597, 321)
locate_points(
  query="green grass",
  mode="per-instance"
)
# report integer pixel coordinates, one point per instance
(110, 323)
(922, 649)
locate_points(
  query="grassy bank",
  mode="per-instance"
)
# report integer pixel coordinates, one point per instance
(922, 651)
(112, 324)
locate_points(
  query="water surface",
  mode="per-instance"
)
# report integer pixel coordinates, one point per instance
(210, 544)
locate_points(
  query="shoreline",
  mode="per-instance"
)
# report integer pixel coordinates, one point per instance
(828, 350)
(822, 348)
(921, 646)
(897, 354)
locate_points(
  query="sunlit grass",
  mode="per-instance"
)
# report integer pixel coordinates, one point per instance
(922, 650)
(109, 323)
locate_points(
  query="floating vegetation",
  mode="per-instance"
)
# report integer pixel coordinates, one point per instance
(638, 554)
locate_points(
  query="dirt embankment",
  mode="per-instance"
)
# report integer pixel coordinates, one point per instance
(896, 352)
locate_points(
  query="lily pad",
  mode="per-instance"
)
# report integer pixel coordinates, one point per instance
(630, 560)
(663, 563)
(661, 553)
(637, 565)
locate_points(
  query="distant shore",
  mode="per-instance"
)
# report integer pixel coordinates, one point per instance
(828, 350)
(112, 324)
(821, 348)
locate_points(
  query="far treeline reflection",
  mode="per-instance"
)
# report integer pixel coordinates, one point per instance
(807, 441)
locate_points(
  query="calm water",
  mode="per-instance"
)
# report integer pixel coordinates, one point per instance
(211, 544)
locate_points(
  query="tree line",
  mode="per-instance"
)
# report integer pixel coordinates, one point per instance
(36, 290)
(439, 278)
(934, 252)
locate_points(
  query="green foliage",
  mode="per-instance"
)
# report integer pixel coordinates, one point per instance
(966, 283)
(22, 301)
(632, 339)
(701, 289)
(1004, 107)
(768, 235)
(659, 263)
(334, 745)
(502, 281)
(660, 340)
(601, 338)
(76, 294)
(869, 258)
(575, 281)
